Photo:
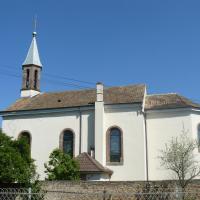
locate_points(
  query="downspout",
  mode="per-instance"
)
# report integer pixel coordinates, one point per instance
(80, 129)
(146, 143)
(146, 136)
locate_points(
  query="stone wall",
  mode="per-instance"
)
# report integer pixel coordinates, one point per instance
(106, 190)
(97, 186)
(112, 186)
(92, 186)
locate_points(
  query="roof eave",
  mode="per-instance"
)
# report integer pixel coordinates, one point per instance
(56, 109)
(183, 108)
(59, 108)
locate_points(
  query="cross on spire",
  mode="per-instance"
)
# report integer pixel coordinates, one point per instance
(35, 24)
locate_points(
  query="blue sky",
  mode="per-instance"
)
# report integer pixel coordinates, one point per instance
(155, 42)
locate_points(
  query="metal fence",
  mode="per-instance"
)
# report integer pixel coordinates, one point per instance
(26, 194)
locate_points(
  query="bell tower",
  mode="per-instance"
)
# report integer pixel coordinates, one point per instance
(32, 68)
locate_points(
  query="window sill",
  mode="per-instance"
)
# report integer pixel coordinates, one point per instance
(115, 163)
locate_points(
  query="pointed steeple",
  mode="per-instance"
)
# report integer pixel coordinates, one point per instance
(33, 57)
(31, 68)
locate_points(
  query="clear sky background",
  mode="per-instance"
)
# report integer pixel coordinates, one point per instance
(156, 42)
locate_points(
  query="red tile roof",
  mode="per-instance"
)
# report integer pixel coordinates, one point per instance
(113, 95)
(168, 101)
(90, 165)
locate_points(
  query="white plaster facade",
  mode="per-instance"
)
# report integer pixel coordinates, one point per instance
(130, 120)
(29, 93)
(45, 128)
(161, 127)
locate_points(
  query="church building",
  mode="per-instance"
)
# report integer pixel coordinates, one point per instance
(116, 133)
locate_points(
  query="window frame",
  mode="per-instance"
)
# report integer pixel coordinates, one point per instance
(61, 140)
(27, 78)
(30, 137)
(35, 79)
(198, 137)
(108, 133)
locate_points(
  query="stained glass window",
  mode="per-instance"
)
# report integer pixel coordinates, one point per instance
(68, 142)
(115, 145)
(26, 136)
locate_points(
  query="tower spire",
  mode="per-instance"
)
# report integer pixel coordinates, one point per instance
(32, 68)
(33, 57)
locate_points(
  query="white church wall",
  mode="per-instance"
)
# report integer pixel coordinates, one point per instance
(100, 153)
(29, 93)
(195, 116)
(87, 138)
(45, 131)
(129, 119)
(97, 177)
(161, 127)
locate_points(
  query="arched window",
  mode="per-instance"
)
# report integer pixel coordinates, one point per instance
(27, 78)
(35, 79)
(67, 142)
(26, 135)
(114, 145)
(198, 136)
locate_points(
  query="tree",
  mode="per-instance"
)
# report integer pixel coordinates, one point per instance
(16, 165)
(179, 157)
(61, 167)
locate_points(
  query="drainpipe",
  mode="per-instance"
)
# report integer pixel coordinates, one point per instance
(146, 144)
(80, 130)
(145, 135)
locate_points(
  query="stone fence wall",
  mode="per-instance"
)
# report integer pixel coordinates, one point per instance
(115, 187)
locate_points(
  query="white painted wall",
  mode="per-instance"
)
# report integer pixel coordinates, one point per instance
(195, 118)
(29, 93)
(45, 130)
(161, 127)
(97, 177)
(87, 139)
(99, 135)
(130, 121)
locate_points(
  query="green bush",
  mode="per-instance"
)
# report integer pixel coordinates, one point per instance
(61, 167)
(16, 165)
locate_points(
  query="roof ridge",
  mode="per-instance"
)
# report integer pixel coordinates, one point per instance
(185, 99)
(58, 92)
(157, 94)
(121, 86)
(91, 89)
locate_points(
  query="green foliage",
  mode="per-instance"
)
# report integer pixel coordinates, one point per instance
(16, 165)
(61, 167)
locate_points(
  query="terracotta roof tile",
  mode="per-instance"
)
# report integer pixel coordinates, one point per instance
(89, 164)
(168, 101)
(113, 95)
